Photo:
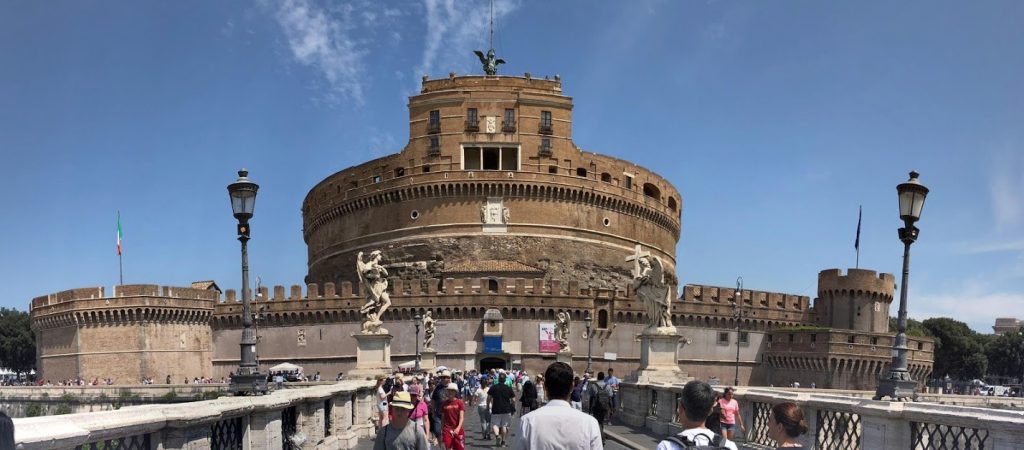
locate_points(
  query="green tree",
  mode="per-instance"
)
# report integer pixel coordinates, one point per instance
(914, 327)
(959, 351)
(17, 342)
(1006, 355)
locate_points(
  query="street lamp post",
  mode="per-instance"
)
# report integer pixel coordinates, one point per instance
(736, 314)
(587, 319)
(898, 385)
(247, 378)
(417, 318)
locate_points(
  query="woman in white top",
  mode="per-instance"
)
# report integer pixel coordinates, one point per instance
(382, 403)
(480, 398)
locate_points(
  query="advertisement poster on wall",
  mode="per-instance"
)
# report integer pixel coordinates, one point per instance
(548, 344)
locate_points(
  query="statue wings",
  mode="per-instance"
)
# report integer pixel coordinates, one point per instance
(480, 54)
(361, 268)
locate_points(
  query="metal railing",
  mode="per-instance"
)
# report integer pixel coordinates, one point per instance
(227, 434)
(137, 442)
(933, 436)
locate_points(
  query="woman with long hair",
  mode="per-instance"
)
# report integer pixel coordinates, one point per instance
(731, 416)
(786, 424)
(382, 402)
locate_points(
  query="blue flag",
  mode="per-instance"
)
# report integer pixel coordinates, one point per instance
(856, 243)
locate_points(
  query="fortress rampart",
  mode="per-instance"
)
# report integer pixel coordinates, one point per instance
(138, 331)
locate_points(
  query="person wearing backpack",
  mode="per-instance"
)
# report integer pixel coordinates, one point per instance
(600, 401)
(695, 404)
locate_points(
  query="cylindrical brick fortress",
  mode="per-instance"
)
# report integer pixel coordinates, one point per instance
(490, 173)
(856, 301)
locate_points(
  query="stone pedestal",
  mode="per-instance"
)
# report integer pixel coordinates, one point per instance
(659, 359)
(428, 359)
(564, 357)
(373, 356)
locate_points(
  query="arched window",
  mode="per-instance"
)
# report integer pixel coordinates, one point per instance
(492, 285)
(602, 318)
(672, 203)
(606, 177)
(652, 191)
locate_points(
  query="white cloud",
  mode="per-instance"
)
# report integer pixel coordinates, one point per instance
(976, 308)
(454, 30)
(322, 40)
(1007, 191)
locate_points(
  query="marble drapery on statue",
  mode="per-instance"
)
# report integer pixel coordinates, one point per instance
(562, 332)
(649, 285)
(374, 279)
(429, 329)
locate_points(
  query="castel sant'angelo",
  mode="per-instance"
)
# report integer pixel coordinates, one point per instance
(492, 219)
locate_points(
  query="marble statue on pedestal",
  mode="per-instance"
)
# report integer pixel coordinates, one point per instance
(429, 329)
(649, 285)
(374, 279)
(562, 332)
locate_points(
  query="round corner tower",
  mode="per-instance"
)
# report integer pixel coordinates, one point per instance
(856, 301)
(491, 183)
(140, 331)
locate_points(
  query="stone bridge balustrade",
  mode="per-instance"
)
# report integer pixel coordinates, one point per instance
(839, 420)
(254, 423)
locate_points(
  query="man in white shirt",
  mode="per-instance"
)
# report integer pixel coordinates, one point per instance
(695, 404)
(557, 425)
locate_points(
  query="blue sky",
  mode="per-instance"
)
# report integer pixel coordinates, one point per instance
(775, 120)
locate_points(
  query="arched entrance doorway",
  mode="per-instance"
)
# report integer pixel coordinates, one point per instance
(492, 362)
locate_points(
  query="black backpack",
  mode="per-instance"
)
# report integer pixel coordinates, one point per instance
(717, 443)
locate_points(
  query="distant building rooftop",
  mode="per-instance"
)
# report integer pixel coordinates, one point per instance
(491, 267)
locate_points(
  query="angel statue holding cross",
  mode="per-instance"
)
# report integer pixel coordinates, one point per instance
(649, 285)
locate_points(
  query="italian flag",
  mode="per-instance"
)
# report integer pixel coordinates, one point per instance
(118, 233)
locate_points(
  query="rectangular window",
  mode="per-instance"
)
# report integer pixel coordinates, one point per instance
(851, 339)
(426, 168)
(435, 144)
(814, 338)
(472, 158)
(490, 158)
(792, 337)
(471, 115)
(435, 118)
(723, 338)
(874, 341)
(628, 182)
(545, 122)
(509, 159)
(509, 124)
(744, 337)
(376, 179)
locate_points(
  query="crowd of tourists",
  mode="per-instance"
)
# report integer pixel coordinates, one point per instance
(556, 410)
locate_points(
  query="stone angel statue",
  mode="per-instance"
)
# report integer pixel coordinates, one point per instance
(374, 279)
(562, 332)
(649, 285)
(489, 62)
(429, 329)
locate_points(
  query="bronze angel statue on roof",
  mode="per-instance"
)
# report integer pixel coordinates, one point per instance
(490, 62)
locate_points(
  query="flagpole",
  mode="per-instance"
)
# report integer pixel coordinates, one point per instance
(856, 245)
(120, 265)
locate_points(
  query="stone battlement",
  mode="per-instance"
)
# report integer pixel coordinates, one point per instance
(863, 280)
(696, 293)
(489, 82)
(127, 304)
(433, 287)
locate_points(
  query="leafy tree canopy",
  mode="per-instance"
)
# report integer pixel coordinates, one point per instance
(959, 350)
(17, 342)
(1005, 355)
(914, 327)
